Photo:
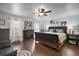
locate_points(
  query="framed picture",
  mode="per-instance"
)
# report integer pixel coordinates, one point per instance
(2, 21)
(57, 22)
(27, 24)
(64, 23)
(52, 22)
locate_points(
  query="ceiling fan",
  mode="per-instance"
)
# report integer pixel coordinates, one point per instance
(42, 12)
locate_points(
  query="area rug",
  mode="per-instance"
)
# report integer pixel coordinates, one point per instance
(23, 53)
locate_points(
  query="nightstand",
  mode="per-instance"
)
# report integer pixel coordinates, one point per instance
(74, 37)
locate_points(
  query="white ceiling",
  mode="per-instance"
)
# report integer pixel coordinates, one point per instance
(28, 9)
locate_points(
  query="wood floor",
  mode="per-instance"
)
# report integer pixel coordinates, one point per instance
(38, 49)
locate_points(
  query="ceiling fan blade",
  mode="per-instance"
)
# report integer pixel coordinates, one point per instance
(48, 11)
(45, 14)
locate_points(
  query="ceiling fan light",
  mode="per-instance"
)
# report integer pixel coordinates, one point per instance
(41, 14)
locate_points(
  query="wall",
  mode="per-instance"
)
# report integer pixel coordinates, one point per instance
(15, 24)
(72, 21)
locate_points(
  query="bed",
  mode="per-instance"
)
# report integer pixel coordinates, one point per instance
(52, 39)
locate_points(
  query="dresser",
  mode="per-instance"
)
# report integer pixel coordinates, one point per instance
(27, 34)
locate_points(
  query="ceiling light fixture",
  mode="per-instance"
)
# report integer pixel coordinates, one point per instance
(42, 12)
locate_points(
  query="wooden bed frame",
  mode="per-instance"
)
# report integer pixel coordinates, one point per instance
(50, 40)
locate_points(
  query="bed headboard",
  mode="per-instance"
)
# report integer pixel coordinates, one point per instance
(64, 28)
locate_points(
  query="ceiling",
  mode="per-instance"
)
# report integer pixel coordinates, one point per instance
(28, 9)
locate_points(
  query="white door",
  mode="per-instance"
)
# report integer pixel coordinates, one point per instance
(16, 30)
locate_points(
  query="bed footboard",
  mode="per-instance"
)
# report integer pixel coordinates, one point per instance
(50, 40)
